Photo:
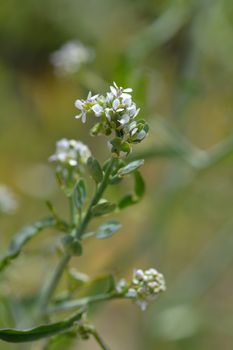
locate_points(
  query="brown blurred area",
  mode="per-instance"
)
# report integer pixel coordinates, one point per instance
(178, 57)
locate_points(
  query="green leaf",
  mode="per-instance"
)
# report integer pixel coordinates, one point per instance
(139, 190)
(129, 168)
(118, 146)
(139, 184)
(103, 208)
(80, 194)
(100, 285)
(95, 169)
(61, 341)
(21, 336)
(114, 180)
(126, 201)
(22, 237)
(108, 229)
(76, 279)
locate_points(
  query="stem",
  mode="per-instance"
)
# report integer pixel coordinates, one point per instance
(99, 340)
(50, 287)
(74, 304)
(98, 194)
(72, 211)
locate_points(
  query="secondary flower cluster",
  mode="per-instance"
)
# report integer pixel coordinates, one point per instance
(144, 287)
(70, 152)
(70, 156)
(117, 114)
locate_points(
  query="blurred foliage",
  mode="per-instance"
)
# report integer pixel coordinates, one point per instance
(177, 56)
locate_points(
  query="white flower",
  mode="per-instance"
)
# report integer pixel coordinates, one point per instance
(97, 109)
(132, 293)
(70, 152)
(117, 114)
(142, 304)
(87, 105)
(139, 274)
(115, 104)
(124, 119)
(121, 285)
(8, 202)
(70, 57)
(126, 99)
(145, 286)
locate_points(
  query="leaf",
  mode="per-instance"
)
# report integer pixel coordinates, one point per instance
(80, 194)
(61, 341)
(22, 237)
(21, 336)
(129, 168)
(139, 190)
(95, 169)
(114, 180)
(103, 208)
(118, 146)
(108, 229)
(99, 286)
(126, 201)
(76, 279)
(139, 184)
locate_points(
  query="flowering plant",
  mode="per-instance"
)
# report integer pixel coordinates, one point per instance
(118, 119)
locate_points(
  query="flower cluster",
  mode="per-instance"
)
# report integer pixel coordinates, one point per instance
(144, 287)
(8, 202)
(117, 113)
(70, 152)
(70, 57)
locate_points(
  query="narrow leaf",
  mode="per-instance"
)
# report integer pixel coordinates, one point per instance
(129, 168)
(80, 194)
(22, 237)
(126, 201)
(139, 190)
(103, 208)
(108, 229)
(139, 185)
(21, 336)
(95, 169)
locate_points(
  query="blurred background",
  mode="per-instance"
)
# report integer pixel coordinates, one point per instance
(177, 55)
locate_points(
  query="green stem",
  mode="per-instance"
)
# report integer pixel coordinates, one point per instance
(98, 194)
(50, 287)
(72, 211)
(99, 340)
(74, 304)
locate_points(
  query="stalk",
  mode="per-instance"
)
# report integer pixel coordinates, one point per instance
(50, 287)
